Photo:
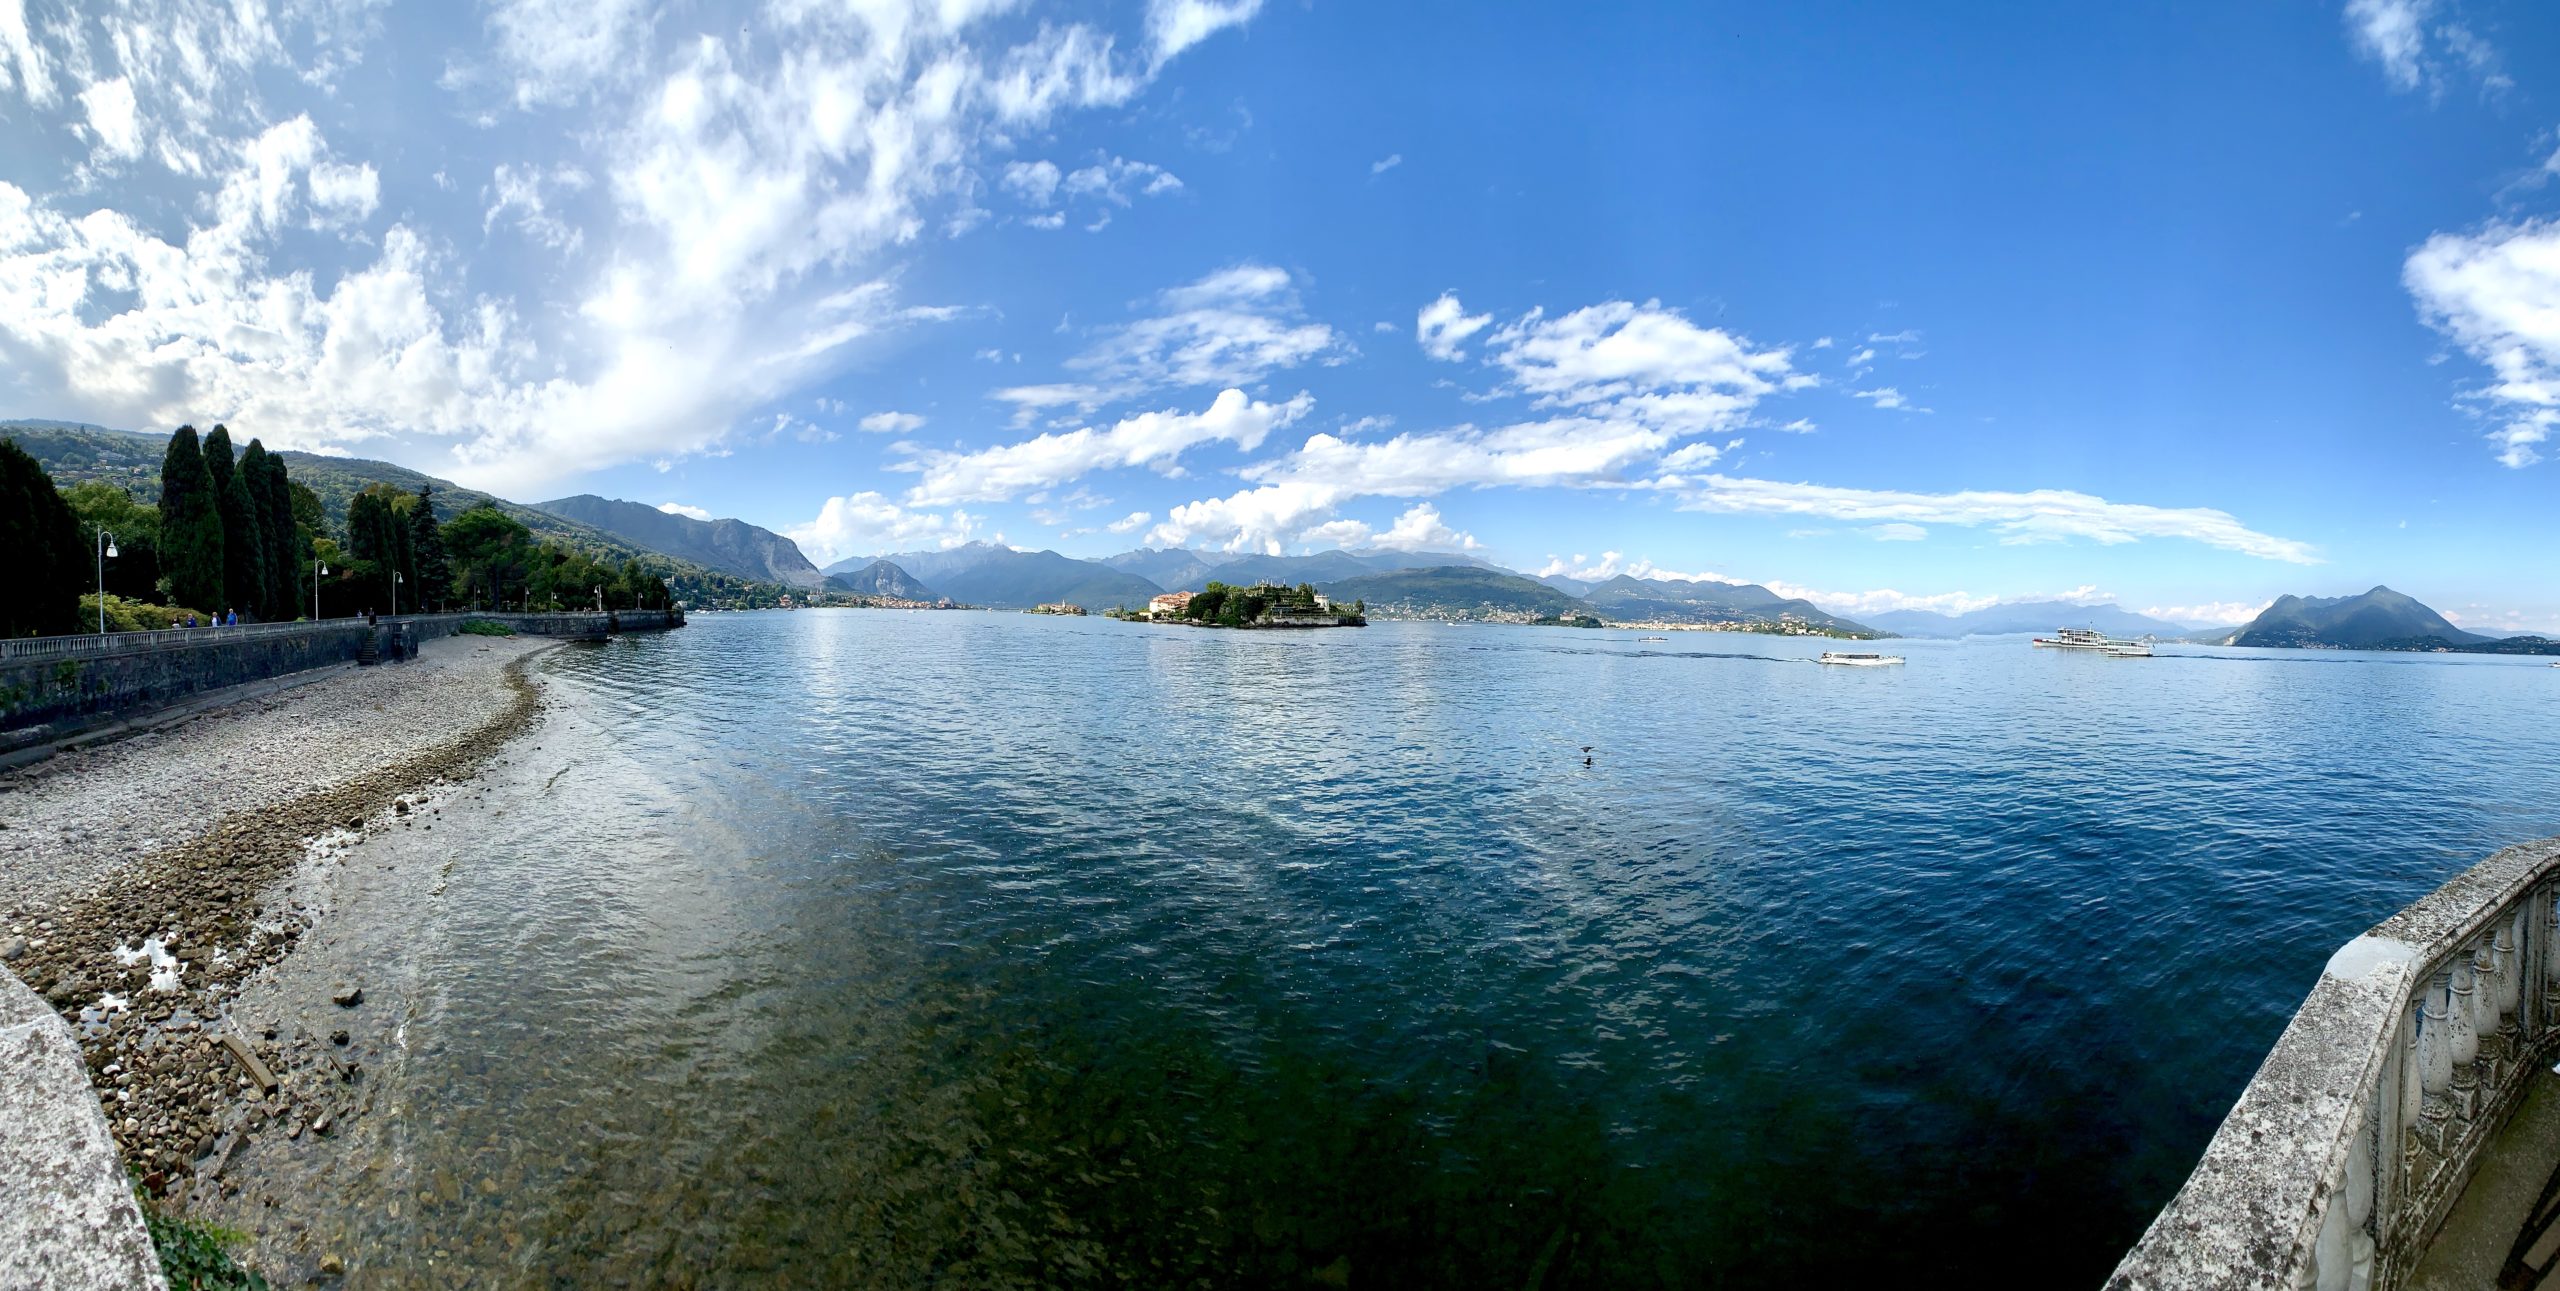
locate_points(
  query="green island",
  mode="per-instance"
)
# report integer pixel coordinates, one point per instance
(1260, 606)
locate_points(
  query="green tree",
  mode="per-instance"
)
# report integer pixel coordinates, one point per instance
(426, 553)
(41, 580)
(134, 572)
(373, 546)
(245, 569)
(271, 497)
(491, 553)
(190, 523)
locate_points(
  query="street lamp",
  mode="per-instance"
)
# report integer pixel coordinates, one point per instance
(395, 593)
(106, 548)
(318, 571)
(599, 600)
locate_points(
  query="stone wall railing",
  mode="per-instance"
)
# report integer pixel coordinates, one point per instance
(2346, 1151)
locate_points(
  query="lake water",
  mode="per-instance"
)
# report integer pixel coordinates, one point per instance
(859, 947)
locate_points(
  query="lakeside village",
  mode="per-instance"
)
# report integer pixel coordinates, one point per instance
(1262, 605)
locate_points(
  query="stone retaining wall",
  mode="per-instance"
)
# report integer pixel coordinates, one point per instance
(67, 1216)
(53, 686)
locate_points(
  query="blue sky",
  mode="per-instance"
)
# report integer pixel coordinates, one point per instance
(2183, 307)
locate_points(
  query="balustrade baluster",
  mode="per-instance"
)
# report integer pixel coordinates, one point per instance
(2435, 1036)
(2462, 1024)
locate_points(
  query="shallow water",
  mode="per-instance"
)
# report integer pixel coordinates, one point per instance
(969, 949)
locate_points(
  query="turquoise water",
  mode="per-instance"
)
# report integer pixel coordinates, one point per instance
(973, 949)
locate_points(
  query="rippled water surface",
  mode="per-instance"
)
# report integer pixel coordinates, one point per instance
(884, 948)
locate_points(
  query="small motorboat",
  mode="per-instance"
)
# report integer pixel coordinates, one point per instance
(2128, 649)
(1851, 659)
(2556, 665)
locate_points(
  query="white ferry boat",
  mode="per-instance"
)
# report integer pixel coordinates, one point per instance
(1852, 660)
(2075, 639)
(2128, 649)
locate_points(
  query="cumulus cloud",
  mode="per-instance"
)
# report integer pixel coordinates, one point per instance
(865, 524)
(751, 189)
(680, 509)
(1035, 182)
(2496, 293)
(1443, 324)
(892, 423)
(112, 122)
(1151, 439)
(1130, 523)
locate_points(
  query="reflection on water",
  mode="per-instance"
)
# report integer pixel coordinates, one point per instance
(976, 950)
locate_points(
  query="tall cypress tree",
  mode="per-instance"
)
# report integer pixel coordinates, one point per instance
(244, 558)
(374, 536)
(251, 481)
(41, 581)
(285, 544)
(190, 525)
(434, 574)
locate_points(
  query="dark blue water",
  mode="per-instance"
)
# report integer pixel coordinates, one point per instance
(972, 949)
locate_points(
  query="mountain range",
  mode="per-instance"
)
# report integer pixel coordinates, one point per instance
(730, 546)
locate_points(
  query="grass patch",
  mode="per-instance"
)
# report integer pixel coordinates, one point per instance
(485, 628)
(196, 1256)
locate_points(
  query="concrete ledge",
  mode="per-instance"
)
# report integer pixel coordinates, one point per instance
(67, 1215)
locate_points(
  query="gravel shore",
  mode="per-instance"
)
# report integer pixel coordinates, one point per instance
(141, 882)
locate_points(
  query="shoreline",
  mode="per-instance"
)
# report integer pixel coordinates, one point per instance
(143, 957)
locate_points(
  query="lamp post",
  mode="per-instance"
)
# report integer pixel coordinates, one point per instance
(395, 593)
(106, 548)
(599, 600)
(318, 571)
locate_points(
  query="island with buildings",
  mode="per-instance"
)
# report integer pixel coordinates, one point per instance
(1262, 605)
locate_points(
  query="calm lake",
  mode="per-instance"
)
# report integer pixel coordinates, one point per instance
(879, 948)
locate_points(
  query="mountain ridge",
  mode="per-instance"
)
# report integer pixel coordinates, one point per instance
(731, 546)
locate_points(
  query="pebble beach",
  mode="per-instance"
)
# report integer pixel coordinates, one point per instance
(146, 881)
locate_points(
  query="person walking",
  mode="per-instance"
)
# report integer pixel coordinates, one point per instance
(191, 620)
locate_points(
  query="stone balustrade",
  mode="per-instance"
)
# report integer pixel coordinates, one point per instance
(2346, 1151)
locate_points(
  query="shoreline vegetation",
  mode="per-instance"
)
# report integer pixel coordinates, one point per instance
(144, 956)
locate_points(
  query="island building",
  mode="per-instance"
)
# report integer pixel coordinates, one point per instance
(2405, 1129)
(1168, 605)
(1061, 607)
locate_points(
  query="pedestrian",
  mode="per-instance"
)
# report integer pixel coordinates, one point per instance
(191, 620)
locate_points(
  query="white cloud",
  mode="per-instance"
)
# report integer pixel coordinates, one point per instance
(1387, 163)
(2392, 33)
(1176, 25)
(1800, 426)
(1441, 325)
(2497, 294)
(680, 509)
(111, 112)
(1130, 523)
(1864, 356)
(2042, 515)
(2396, 35)
(1231, 328)
(1152, 439)
(1035, 182)
(2211, 614)
(1618, 352)
(1886, 397)
(892, 423)
(865, 524)
(1115, 179)
(1897, 531)
(755, 185)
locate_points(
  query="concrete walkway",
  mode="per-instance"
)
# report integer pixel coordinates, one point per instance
(67, 1216)
(2484, 1242)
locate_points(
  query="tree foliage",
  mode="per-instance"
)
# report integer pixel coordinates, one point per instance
(491, 555)
(282, 540)
(430, 570)
(41, 577)
(244, 544)
(102, 508)
(190, 523)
